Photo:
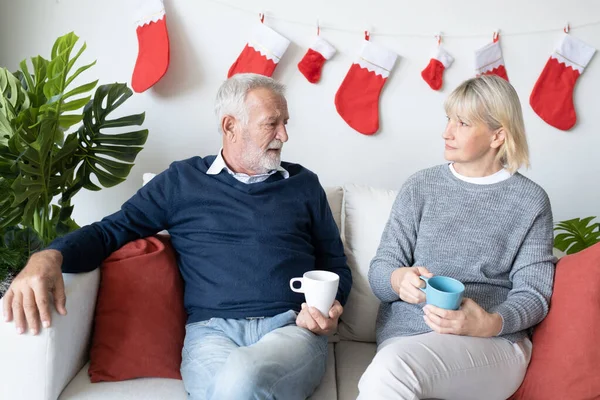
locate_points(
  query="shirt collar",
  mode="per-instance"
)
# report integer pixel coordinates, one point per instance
(219, 164)
(496, 177)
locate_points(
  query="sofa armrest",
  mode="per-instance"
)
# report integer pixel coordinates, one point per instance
(39, 367)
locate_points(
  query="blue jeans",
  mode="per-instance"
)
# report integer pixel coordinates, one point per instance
(262, 358)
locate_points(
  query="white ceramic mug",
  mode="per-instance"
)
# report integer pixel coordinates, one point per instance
(319, 288)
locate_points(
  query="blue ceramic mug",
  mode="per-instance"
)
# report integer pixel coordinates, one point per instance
(443, 292)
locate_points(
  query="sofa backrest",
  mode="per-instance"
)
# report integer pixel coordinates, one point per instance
(363, 214)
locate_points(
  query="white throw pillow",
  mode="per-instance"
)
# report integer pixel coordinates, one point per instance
(147, 177)
(335, 196)
(366, 211)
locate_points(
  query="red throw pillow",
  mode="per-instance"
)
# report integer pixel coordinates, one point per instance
(566, 352)
(139, 324)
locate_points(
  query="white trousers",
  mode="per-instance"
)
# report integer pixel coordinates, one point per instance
(448, 367)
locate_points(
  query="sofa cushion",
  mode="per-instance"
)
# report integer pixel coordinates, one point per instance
(81, 388)
(140, 318)
(352, 360)
(366, 211)
(335, 196)
(564, 361)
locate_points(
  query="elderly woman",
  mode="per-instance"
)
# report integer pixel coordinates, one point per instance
(475, 219)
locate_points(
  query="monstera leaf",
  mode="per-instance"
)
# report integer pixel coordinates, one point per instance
(108, 157)
(577, 235)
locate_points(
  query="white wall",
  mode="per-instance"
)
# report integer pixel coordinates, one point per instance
(206, 37)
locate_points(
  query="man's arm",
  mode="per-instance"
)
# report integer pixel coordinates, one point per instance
(144, 214)
(27, 299)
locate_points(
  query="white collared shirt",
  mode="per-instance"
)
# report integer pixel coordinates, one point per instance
(499, 176)
(217, 166)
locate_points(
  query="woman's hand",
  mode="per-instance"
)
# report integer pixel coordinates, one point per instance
(469, 320)
(406, 282)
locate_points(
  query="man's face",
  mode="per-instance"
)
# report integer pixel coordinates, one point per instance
(263, 136)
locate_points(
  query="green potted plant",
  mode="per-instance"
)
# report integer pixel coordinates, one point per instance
(53, 137)
(576, 234)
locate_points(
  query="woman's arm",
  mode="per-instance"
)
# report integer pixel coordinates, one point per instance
(532, 277)
(396, 247)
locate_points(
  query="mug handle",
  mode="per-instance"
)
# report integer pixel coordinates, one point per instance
(300, 289)
(426, 280)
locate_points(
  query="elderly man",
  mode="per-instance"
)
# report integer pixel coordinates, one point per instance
(242, 223)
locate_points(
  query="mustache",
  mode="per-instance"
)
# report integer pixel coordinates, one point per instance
(275, 145)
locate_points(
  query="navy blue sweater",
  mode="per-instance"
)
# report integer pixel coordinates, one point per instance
(237, 245)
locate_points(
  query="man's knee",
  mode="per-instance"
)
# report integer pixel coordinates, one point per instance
(242, 378)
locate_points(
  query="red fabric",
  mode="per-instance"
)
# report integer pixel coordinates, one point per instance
(357, 99)
(251, 61)
(153, 55)
(311, 65)
(566, 353)
(552, 95)
(433, 74)
(500, 71)
(139, 324)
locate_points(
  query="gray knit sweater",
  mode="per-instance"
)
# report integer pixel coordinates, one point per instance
(497, 239)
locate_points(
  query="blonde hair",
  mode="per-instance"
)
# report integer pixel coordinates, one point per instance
(491, 100)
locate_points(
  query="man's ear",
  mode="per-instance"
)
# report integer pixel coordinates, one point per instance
(498, 139)
(229, 125)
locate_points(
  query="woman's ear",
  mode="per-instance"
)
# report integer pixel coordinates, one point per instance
(498, 139)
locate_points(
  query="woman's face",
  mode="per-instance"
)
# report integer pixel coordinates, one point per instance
(468, 142)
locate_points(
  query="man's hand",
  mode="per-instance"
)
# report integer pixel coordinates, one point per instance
(27, 298)
(312, 319)
(469, 320)
(406, 282)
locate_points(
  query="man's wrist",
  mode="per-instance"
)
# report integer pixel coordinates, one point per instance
(52, 254)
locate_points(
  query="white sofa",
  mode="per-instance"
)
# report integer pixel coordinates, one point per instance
(53, 365)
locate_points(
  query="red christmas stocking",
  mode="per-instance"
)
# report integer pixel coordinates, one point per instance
(552, 95)
(433, 73)
(311, 64)
(153, 45)
(261, 54)
(357, 99)
(489, 60)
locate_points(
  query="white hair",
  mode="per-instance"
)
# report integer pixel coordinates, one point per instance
(231, 97)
